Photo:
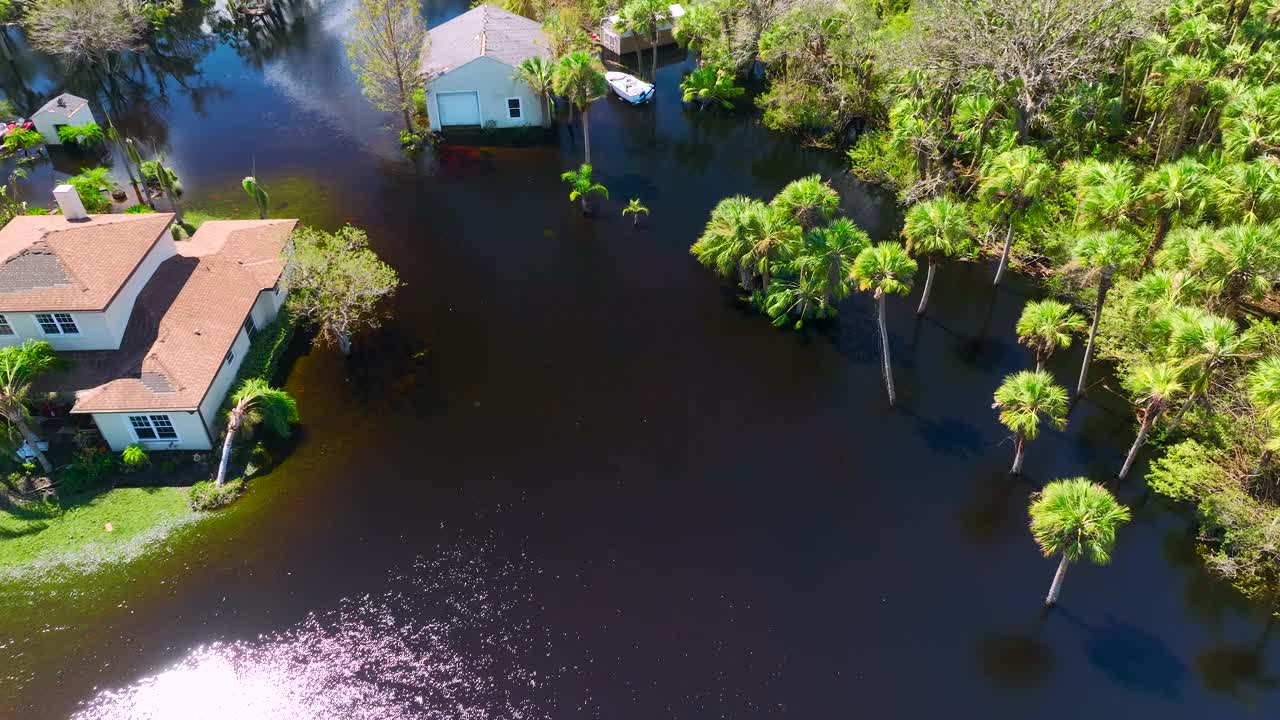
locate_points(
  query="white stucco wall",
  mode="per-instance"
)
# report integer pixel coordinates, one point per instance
(95, 332)
(47, 123)
(221, 384)
(121, 308)
(118, 433)
(495, 83)
(267, 306)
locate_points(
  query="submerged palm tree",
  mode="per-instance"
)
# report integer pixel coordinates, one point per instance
(883, 270)
(259, 195)
(579, 77)
(709, 86)
(819, 274)
(539, 74)
(808, 201)
(1173, 190)
(1024, 400)
(1075, 519)
(1152, 385)
(1046, 326)
(582, 185)
(1104, 254)
(19, 366)
(1204, 343)
(1013, 181)
(726, 242)
(256, 402)
(634, 208)
(935, 228)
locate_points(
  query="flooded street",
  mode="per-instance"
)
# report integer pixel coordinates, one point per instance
(574, 478)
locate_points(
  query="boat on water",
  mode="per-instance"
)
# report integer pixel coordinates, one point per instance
(629, 88)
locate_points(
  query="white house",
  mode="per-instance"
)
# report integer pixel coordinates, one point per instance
(469, 68)
(66, 109)
(154, 330)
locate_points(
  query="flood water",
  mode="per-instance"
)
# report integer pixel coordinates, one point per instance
(572, 478)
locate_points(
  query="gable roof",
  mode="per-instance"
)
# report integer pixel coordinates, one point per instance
(485, 31)
(65, 105)
(50, 263)
(184, 321)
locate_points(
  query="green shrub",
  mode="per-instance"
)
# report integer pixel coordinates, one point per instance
(138, 210)
(134, 456)
(267, 348)
(85, 470)
(876, 159)
(207, 496)
(90, 185)
(36, 211)
(86, 135)
(410, 140)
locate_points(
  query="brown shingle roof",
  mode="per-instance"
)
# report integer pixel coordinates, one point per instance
(485, 31)
(184, 322)
(50, 263)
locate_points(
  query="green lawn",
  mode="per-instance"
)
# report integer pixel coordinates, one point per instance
(73, 535)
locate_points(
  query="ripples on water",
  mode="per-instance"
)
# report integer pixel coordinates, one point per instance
(442, 643)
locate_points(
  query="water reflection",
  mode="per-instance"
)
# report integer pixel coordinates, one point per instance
(439, 644)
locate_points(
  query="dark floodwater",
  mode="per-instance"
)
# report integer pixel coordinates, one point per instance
(574, 479)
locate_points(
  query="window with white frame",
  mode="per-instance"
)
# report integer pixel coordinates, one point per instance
(152, 427)
(514, 110)
(57, 324)
(5, 327)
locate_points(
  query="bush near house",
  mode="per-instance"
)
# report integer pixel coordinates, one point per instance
(205, 495)
(268, 346)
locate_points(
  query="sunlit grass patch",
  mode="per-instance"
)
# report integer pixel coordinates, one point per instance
(291, 197)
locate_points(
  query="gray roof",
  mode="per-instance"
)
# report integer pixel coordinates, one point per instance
(485, 31)
(64, 105)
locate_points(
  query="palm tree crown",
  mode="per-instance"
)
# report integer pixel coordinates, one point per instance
(1047, 326)
(939, 226)
(1026, 398)
(884, 269)
(808, 201)
(1077, 519)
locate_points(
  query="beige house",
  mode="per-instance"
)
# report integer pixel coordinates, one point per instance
(469, 68)
(155, 330)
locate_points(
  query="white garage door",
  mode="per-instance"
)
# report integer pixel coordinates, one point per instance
(459, 108)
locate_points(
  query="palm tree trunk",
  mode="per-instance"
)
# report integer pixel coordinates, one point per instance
(1177, 419)
(20, 421)
(1019, 453)
(344, 341)
(586, 135)
(1104, 284)
(1056, 588)
(1149, 419)
(653, 78)
(928, 286)
(884, 352)
(1157, 241)
(233, 424)
(1040, 360)
(1004, 254)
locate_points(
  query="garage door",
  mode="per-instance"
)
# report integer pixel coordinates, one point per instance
(459, 108)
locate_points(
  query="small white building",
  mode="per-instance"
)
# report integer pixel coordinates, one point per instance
(154, 331)
(66, 109)
(620, 43)
(469, 68)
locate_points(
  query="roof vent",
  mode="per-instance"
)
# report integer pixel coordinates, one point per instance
(69, 200)
(62, 102)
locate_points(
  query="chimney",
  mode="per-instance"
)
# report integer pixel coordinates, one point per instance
(69, 200)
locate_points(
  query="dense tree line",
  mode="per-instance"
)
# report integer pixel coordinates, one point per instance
(1128, 151)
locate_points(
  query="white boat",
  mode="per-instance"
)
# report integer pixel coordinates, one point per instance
(629, 88)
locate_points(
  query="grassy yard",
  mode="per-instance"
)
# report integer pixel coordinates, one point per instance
(72, 534)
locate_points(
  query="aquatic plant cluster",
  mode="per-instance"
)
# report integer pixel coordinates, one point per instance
(373, 657)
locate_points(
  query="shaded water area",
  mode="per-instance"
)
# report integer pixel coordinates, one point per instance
(573, 478)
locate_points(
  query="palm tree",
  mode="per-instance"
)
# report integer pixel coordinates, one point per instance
(632, 19)
(820, 273)
(934, 228)
(884, 269)
(646, 17)
(1204, 343)
(973, 118)
(1024, 399)
(1263, 385)
(634, 208)
(19, 366)
(1013, 181)
(1240, 261)
(1046, 326)
(710, 86)
(913, 129)
(252, 403)
(1104, 254)
(1248, 192)
(807, 201)
(579, 77)
(582, 185)
(726, 242)
(775, 238)
(1075, 519)
(259, 195)
(1172, 190)
(539, 74)
(1107, 194)
(1152, 386)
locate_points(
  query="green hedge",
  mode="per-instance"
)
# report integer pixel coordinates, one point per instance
(268, 346)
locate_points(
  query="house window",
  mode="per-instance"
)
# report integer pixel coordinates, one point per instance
(5, 327)
(152, 427)
(231, 356)
(513, 108)
(250, 328)
(57, 324)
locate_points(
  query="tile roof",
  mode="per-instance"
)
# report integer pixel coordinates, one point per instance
(50, 263)
(485, 31)
(65, 105)
(184, 321)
